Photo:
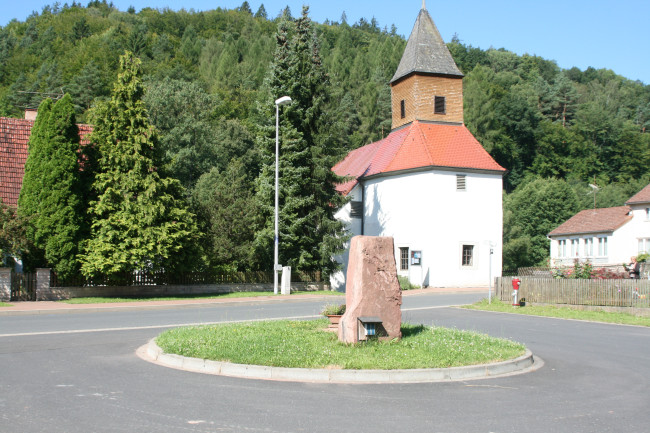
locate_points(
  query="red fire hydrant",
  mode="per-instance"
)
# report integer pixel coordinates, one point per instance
(516, 282)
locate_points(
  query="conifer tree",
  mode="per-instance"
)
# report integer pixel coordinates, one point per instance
(309, 233)
(53, 196)
(32, 188)
(139, 218)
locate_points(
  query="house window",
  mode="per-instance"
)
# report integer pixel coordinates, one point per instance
(460, 182)
(602, 247)
(575, 247)
(644, 245)
(402, 107)
(561, 248)
(647, 214)
(439, 105)
(589, 247)
(404, 259)
(468, 255)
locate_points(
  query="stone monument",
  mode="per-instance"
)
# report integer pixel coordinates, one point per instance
(373, 297)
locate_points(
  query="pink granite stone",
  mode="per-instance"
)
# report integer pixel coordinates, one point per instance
(372, 289)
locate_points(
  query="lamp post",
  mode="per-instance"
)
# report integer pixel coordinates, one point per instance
(276, 267)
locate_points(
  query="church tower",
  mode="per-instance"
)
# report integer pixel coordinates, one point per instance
(427, 85)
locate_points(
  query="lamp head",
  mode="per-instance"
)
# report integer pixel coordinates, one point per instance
(283, 100)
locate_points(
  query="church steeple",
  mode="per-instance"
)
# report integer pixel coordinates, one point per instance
(427, 84)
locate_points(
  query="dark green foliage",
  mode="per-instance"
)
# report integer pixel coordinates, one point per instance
(227, 212)
(13, 235)
(309, 234)
(52, 196)
(530, 213)
(140, 220)
(180, 111)
(261, 12)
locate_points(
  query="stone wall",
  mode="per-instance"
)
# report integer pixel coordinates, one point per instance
(5, 284)
(57, 293)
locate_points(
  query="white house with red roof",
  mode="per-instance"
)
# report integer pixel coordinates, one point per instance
(429, 184)
(606, 236)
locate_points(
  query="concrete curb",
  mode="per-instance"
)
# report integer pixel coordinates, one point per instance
(524, 364)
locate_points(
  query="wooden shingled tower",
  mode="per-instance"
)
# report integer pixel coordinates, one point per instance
(427, 85)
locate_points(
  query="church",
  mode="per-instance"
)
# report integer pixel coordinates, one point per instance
(429, 184)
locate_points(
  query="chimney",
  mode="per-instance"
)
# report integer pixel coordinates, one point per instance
(30, 114)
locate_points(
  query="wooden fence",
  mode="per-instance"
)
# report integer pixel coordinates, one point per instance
(610, 293)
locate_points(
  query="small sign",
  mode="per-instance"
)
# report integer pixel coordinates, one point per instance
(416, 258)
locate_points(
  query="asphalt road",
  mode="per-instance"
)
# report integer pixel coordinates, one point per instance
(79, 373)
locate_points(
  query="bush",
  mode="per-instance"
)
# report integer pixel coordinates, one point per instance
(405, 283)
(333, 310)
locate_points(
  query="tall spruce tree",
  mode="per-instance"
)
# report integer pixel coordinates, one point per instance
(140, 219)
(309, 233)
(52, 197)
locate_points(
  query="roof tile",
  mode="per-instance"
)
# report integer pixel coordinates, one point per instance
(594, 221)
(417, 145)
(642, 196)
(14, 140)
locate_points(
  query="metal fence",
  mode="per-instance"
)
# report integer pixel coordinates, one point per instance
(162, 278)
(23, 286)
(614, 293)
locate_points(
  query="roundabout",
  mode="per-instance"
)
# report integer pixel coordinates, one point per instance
(524, 364)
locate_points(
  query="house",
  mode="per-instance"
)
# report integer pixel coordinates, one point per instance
(14, 144)
(429, 184)
(607, 236)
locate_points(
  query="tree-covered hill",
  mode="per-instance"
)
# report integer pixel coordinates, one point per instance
(205, 73)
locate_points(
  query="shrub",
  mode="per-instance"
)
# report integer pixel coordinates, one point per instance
(405, 283)
(333, 310)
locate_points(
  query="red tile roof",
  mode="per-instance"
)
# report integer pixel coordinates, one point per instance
(14, 138)
(594, 221)
(417, 145)
(642, 196)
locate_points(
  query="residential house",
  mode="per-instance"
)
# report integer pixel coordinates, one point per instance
(429, 184)
(14, 139)
(607, 236)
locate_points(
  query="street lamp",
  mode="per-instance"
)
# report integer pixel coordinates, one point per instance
(276, 267)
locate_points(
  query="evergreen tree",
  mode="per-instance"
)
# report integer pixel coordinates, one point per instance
(86, 86)
(261, 12)
(140, 220)
(245, 7)
(32, 189)
(227, 213)
(53, 196)
(60, 220)
(309, 233)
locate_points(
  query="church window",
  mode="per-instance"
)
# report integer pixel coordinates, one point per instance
(402, 107)
(439, 105)
(468, 255)
(403, 258)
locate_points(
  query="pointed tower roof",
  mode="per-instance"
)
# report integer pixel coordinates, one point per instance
(425, 51)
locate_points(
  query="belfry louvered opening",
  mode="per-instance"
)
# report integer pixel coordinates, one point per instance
(461, 182)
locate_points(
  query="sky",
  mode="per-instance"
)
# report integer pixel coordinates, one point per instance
(582, 33)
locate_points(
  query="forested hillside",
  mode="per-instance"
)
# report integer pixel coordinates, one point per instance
(205, 72)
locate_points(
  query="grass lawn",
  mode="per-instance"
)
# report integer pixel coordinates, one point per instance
(4, 304)
(100, 300)
(562, 312)
(306, 344)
